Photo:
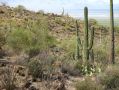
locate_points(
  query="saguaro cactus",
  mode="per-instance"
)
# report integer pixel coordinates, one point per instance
(87, 42)
(112, 53)
(78, 43)
(86, 51)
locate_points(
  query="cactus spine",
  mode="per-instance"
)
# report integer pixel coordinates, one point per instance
(87, 42)
(112, 53)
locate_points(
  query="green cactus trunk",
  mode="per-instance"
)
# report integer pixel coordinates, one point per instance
(86, 51)
(77, 43)
(112, 53)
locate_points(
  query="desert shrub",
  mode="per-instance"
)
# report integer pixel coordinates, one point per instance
(35, 68)
(101, 53)
(20, 39)
(88, 69)
(68, 67)
(41, 68)
(117, 29)
(110, 78)
(32, 39)
(88, 84)
(93, 22)
(69, 45)
(19, 8)
(8, 79)
(40, 12)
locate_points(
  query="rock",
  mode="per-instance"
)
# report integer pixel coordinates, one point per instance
(28, 84)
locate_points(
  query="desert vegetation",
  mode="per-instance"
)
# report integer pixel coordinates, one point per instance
(47, 51)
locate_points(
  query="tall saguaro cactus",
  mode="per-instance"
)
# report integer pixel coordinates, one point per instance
(112, 53)
(87, 42)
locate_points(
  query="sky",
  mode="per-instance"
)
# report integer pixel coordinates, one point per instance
(72, 7)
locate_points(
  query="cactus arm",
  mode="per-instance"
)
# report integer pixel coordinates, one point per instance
(91, 39)
(77, 34)
(79, 45)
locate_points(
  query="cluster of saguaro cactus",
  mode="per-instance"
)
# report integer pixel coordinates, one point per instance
(86, 45)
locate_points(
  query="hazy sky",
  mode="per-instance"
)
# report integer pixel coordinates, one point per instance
(73, 7)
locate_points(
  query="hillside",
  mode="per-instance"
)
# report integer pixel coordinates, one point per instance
(40, 49)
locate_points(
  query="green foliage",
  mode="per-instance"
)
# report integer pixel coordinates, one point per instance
(35, 68)
(20, 39)
(117, 29)
(35, 37)
(93, 22)
(88, 69)
(88, 84)
(110, 78)
(69, 45)
(101, 54)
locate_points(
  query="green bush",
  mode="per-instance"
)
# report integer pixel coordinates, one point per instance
(88, 70)
(34, 38)
(88, 84)
(110, 78)
(117, 29)
(35, 68)
(69, 45)
(101, 54)
(20, 39)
